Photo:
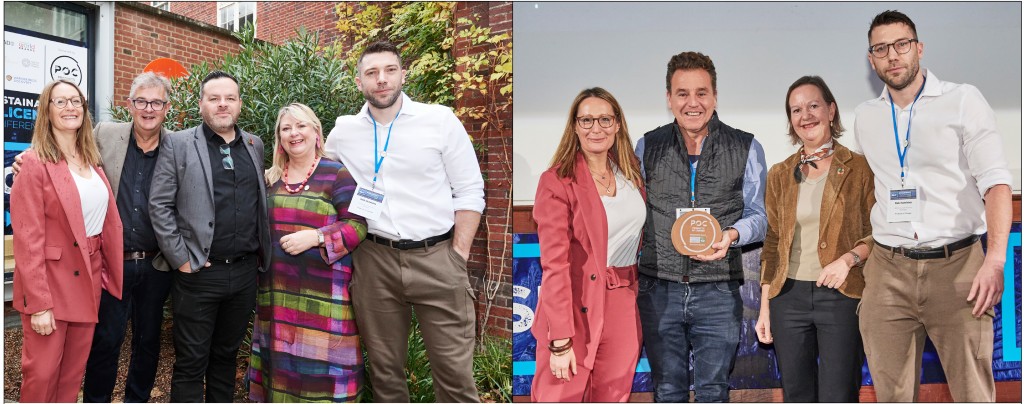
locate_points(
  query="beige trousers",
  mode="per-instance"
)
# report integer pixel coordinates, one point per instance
(387, 286)
(905, 300)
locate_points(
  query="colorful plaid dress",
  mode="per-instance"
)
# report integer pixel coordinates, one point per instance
(305, 346)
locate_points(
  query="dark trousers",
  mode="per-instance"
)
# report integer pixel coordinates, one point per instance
(212, 309)
(145, 291)
(817, 343)
(680, 317)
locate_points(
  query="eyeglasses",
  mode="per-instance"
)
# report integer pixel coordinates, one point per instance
(62, 103)
(140, 103)
(902, 46)
(587, 122)
(229, 164)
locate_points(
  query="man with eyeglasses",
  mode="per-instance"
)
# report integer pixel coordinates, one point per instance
(940, 181)
(421, 192)
(129, 151)
(209, 211)
(693, 302)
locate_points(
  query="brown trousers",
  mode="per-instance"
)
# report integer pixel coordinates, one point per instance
(387, 286)
(905, 300)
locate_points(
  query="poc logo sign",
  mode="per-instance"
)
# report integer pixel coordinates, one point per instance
(66, 68)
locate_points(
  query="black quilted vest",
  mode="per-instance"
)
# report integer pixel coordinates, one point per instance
(719, 187)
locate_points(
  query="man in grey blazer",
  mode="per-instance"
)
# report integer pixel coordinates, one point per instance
(208, 207)
(129, 151)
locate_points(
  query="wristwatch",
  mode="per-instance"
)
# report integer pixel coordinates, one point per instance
(319, 237)
(856, 258)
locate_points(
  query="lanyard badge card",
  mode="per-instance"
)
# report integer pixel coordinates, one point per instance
(369, 202)
(904, 203)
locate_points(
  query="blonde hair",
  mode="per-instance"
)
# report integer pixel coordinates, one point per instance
(621, 152)
(301, 113)
(44, 142)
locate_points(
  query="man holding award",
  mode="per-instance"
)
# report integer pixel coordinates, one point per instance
(705, 186)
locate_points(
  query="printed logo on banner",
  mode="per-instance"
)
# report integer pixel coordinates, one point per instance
(66, 68)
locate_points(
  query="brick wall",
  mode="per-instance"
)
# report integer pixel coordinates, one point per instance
(493, 245)
(202, 11)
(143, 33)
(276, 22)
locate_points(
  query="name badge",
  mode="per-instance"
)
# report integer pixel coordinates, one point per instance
(681, 211)
(904, 205)
(367, 203)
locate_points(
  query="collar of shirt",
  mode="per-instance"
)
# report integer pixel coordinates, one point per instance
(409, 107)
(217, 139)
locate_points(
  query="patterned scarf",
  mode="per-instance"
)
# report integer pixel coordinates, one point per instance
(821, 153)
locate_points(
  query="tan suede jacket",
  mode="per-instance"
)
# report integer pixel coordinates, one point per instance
(845, 217)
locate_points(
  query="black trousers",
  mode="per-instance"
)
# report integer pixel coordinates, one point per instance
(212, 309)
(817, 343)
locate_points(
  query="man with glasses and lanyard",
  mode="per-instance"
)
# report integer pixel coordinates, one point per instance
(940, 181)
(208, 205)
(421, 192)
(128, 151)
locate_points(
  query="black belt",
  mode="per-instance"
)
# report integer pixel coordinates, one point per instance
(138, 255)
(409, 244)
(932, 253)
(217, 260)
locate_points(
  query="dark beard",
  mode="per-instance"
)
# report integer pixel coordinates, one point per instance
(382, 105)
(913, 70)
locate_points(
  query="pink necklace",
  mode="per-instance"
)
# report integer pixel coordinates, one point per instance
(303, 185)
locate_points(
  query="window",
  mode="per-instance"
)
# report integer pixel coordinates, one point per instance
(235, 14)
(163, 5)
(46, 19)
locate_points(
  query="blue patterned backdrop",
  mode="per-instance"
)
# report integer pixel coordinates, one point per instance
(755, 363)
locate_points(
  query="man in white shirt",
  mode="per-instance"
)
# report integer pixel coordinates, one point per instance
(940, 182)
(421, 192)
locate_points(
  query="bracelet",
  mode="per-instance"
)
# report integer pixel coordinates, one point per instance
(559, 350)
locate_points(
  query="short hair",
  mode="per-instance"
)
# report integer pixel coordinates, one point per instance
(691, 61)
(621, 152)
(836, 128)
(150, 80)
(218, 74)
(888, 17)
(301, 113)
(379, 47)
(44, 141)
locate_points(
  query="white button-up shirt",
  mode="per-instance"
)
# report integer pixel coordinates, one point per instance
(955, 156)
(429, 172)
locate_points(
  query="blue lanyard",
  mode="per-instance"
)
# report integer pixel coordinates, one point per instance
(378, 161)
(693, 175)
(902, 152)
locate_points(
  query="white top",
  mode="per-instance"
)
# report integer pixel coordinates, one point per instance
(430, 170)
(94, 201)
(804, 264)
(955, 156)
(626, 213)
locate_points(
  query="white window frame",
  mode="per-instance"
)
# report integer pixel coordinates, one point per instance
(163, 5)
(235, 19)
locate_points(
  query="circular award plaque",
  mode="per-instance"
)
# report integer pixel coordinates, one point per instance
(694, 232)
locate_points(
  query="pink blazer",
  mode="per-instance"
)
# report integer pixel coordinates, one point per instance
(52, 265)
(573, 231)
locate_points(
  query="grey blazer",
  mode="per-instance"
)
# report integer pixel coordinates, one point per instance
(112, 140)
(181, 200)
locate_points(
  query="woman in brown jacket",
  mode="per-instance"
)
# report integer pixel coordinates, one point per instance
(818, 202)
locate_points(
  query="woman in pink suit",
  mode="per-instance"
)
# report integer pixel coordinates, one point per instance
(67, 245)
(587, 325)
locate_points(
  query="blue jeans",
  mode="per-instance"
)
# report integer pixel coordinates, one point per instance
(143, 296)
(677, 317)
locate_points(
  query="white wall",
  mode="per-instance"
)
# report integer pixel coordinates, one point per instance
(759, 49)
